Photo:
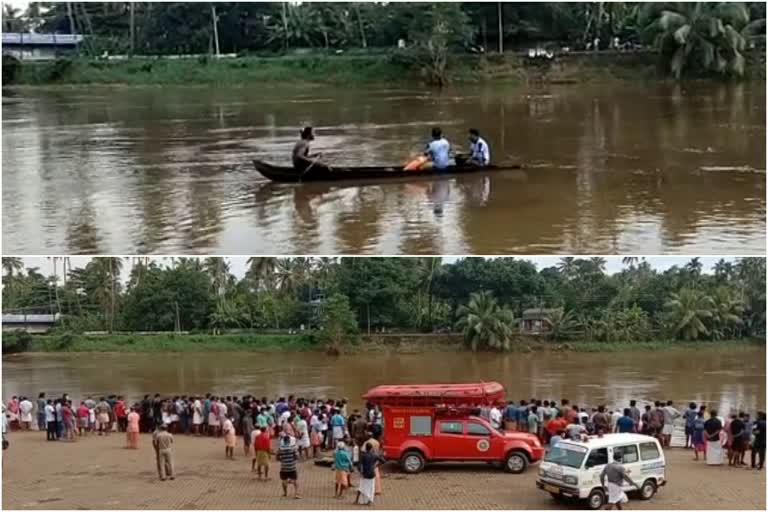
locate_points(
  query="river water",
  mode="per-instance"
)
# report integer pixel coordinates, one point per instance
(624, 168)
(725, 378)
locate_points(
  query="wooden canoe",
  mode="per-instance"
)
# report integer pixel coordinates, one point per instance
(281, 174)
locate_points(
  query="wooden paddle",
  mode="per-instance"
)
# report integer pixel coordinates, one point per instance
(317, 159)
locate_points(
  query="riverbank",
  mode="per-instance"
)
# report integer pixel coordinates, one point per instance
(375, 67)
(309, 342)
(36, 471)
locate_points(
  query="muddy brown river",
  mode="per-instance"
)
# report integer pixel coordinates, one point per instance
(725, 378)
(622, 168)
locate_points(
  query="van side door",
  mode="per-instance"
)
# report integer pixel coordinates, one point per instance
(448, 439)
(652, 462)
(594, 465)
(630, 459)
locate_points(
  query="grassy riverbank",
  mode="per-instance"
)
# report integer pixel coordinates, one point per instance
(357, 68)
(257, 342)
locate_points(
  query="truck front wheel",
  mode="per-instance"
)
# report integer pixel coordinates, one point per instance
(516, 462)
(596, 499)
(412, 462)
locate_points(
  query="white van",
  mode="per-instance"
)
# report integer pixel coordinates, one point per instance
(571, 470)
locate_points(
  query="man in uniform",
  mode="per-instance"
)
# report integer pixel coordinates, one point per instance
(162, 440)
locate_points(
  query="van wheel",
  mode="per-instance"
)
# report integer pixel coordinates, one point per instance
(647, 490)
(596, 499)
(412, 462)
(516, 463)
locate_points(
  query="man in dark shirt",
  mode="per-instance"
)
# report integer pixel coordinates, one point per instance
(712, 427)
(758, 447)
(690, 419)
(738, 440)
(146, 408)
(368, 462)
(634, 412)
(157, 415)
(302, 160)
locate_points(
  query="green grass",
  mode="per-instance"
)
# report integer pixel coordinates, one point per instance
(258, 342)
(70, 342)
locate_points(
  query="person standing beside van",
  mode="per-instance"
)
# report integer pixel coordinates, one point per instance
(616, 474)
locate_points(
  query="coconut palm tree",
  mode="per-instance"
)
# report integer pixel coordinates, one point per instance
(485, 323)
(630, 261)
(12, 266)
(218, 270)
(567, 267)
(708, 35)
(689, 311)
(726, 314)
(561, 324)
(261, 272)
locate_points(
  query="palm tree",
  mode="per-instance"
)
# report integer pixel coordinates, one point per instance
(485, 323)
(689, 310)
(726, 314)
(12, 266)
(218, 270)
(427, 269)
(562, 324)
(630, 261)
(724, 270)
(261, 272)
(598, 263)
(567, 267)
(709, 35)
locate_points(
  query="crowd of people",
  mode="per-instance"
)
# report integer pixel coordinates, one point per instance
(303, 428)
(716, 438)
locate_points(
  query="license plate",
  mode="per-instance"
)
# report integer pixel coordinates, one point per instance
(551, 488)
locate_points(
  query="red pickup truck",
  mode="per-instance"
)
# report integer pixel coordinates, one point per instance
(418, 429)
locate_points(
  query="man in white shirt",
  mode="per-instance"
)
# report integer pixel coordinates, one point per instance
(495, 416)
(50, 421)
(25, 408)
(480, 152)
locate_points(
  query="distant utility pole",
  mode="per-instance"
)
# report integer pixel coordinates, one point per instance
(501, 29)
(133, 26)
(215, 29)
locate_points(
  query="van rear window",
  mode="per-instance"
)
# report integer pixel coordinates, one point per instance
(649, 451)
(421, 425)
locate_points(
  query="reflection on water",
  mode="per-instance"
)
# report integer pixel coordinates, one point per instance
(728, 378)
(608, 169)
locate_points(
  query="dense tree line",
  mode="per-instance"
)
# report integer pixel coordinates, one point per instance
(708, 36)
(485, 298)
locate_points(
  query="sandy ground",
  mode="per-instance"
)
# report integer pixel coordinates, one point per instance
(98, 473)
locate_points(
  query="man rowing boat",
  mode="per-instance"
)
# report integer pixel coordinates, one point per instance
(302, 160)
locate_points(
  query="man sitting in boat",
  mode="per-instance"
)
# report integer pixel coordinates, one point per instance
(437, 155)
(480, 153)
(302, 160)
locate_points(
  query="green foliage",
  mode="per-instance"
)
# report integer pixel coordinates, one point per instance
(690, 37)
(635, 305)
(16, 341)
(337, 323)
(485, 324)
(708, 36)
(562, 324)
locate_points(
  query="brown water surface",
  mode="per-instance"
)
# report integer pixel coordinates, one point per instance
(728, 378)
(624, 168)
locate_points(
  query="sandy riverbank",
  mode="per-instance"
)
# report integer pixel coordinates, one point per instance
(98, 472)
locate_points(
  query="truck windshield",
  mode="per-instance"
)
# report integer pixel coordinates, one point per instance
(564, 455)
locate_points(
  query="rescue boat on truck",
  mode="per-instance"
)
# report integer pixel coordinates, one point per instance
(442, 423)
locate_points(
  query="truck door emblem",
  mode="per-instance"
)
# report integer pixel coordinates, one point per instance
(483, 445)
